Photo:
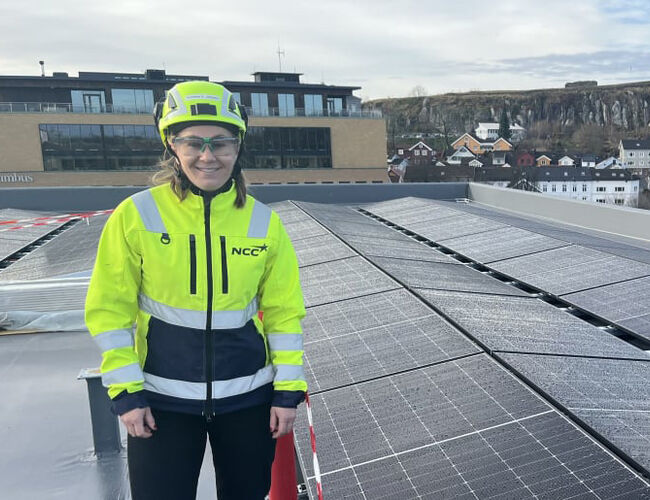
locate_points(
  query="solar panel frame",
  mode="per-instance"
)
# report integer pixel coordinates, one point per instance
(453, 227)
(625, 304)
(570, 269)
(501, 244)
(450, 275)
(397, 248)
(610, 396)
(527, 325)
(319, 249)
(342, 279)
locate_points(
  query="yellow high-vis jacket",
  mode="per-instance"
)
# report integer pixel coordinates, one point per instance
(174, 298)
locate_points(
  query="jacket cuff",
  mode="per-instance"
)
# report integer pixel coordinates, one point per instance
(127, 401)
(287, 399)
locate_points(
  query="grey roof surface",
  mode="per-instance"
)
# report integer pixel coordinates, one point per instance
(428, 378)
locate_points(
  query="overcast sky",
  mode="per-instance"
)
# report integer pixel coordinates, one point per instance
(385, 47)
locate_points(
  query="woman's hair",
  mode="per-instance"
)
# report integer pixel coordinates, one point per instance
(169, 171)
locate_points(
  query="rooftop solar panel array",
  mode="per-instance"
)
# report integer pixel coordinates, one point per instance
(13, 240)
(406, 406)
(71, 252)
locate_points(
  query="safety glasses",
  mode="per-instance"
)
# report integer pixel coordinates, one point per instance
(219, 146)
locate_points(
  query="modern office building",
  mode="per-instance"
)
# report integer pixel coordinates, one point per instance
(97, 129)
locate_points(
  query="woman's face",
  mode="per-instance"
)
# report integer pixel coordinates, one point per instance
(208, 166)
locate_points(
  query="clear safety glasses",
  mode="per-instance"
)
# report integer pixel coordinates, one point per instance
(219, 146)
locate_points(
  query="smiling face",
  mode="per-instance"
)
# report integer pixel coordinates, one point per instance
(205, 169)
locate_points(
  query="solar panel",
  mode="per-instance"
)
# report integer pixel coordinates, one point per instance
(296, 215)
(453, 226)
(70, 252)
(376, 230)
(627, 304)
(420, 214)
(66, 295)
(342, 279)
(398, 205)
(320, 249)
(611, 396)
(397, 248)
(464, 427)
(527, 325)
(328, 214)
(444, 276)
(501, 244)
(14, 240)
(363, 338)
(299, 230)
(570, 269)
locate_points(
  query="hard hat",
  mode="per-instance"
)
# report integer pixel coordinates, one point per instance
(199, 102)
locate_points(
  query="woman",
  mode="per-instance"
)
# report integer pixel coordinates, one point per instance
(190, 263)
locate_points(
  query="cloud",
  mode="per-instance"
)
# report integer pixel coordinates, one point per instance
(386, 47)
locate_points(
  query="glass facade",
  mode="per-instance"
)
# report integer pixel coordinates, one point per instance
(132, 100)
(286, 105)
(334, 106)
(289, 147)
(88, 101)
(99, 147)
(260, 103)
(313, 105)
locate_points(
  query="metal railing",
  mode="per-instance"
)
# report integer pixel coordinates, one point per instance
(51, 107)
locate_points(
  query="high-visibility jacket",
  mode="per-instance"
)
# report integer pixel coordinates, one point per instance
(174, 298)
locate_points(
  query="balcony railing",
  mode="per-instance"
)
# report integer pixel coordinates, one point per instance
(50, 107)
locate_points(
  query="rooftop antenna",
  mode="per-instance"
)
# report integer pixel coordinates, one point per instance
(280, 54)
(42, 63)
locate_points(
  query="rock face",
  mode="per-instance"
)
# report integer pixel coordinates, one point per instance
(626, 106)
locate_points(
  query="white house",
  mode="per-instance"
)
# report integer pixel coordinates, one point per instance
(457, 157)
(611, 162)
(634, 153)
(490, 131)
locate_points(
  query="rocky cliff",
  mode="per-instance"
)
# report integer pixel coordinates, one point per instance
(625, 106)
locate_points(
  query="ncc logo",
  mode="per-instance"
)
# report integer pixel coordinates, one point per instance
(252, 251)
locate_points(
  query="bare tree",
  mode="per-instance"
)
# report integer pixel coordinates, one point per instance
(418, 91)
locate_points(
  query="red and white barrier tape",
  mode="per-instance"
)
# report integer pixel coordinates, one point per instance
(44, 221)
(312, 436)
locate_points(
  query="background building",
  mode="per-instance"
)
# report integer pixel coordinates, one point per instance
(97, 129)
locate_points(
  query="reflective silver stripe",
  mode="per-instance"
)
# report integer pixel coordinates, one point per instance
(285, 341)
(123, 375)
(114, 339)
(149, 212)
(289, 372)
(220, 388)
(196, 319)
(260, 219)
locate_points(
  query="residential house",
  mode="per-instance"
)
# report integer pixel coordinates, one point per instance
(543, 160)
(635, 153)
(478, 146)
(456, 157)
(524, 159)
(489, 131)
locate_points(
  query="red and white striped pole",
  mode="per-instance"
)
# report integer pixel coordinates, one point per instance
(312, 438)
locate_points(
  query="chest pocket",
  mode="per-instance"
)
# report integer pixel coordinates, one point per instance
(245, 261)
(170, 265)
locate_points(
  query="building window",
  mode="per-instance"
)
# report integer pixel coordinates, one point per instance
(619, 201)
(601, 189)
(260, 103)
(416, 152)
(600, 200)
(334, 106)
(424, 152)
(99, 147)
(289, 147)
(636, 188)
(641, 154)
(631, 154)
(313, 105)
(400, 152)
(564, 188)
(584, 188)
(286, 105)
(619, 189)
(132, 100)
(553, 188)
(545, 188)
(575, 188)
(237, 97)
(88, 101)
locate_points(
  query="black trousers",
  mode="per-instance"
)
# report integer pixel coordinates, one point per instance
(167, 465)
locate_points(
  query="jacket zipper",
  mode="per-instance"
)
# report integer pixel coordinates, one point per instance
(192, 264)
(224, 266)
(208, 412)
